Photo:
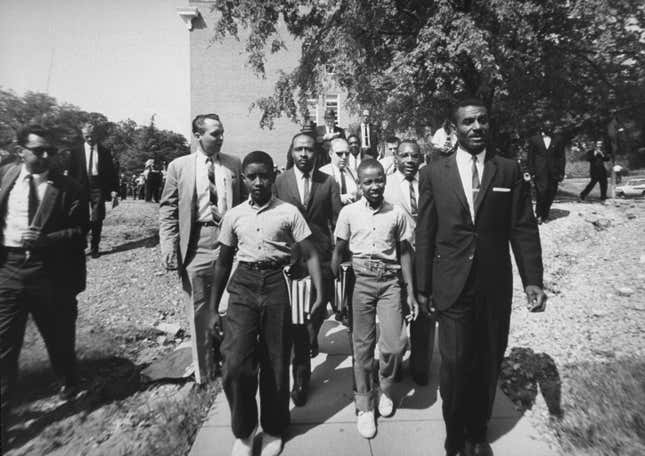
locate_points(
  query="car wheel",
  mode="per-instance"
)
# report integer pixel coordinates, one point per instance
(621, 195)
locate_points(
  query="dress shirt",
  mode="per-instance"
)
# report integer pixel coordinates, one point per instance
(300, 182)
(350, 181)
(353, 163)
(547, 140)
(373, 234)
(365, 136)
(404, 185)
(465, 166)
(223, 183)
(263, 233)
(95, 160)
(17, 218)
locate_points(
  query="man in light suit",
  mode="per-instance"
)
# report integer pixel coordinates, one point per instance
(546, 161)
(199, 189)
(93, 167)
(44, 221)
(338, 168)
(473, 204)
(315, 194)
(402, 189)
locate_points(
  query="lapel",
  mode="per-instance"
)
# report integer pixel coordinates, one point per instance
(83, 161)
(191, 185)
(490, 168)
(454, 180)
(316, 179)
(292, 190)
(7, 182)
(47, 204)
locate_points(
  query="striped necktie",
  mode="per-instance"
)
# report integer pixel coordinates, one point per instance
(413, 197)
(475, 180)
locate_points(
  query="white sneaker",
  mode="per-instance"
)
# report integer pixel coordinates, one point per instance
(244, 447)
(385, 406)
(366, 424)
(271, 445)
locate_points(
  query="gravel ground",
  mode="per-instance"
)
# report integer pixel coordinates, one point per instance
(594, 259)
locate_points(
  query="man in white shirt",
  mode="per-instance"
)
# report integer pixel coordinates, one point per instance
(94, 169)
(368, 135)
(42, 261)
(343, 175)
(388, 161)
(355, 154)
(200, 188)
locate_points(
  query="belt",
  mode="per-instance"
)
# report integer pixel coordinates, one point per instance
(262, 265)
(206, 224)
(21, 251)
(375, 265)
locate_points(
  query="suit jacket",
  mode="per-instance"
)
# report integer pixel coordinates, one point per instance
(63, 215)
(178, 204)
(321, 211)
(321, 131)
(546, 165)
(108, 174)
(597, 164)
(394, 195)
(449, 244)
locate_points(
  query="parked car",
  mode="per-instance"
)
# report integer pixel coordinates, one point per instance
(633, 187)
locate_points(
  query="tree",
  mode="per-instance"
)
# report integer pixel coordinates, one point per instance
(574, 61)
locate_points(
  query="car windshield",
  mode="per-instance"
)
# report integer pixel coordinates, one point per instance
(636, 182)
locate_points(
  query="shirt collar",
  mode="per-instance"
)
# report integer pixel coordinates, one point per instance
(263, 207)
(402, 178)
(300, 174)
(38, 178)
(464, 156)
(370, 208)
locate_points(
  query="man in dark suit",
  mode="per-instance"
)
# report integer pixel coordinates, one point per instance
(325, 134)
(546, 160)
(368, 134)
(597, 171)
(93, 168)
(472, 204)
(316, 195)
(42, 261)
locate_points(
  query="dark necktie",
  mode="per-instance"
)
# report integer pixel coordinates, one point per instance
(32, 198)
(413, 197)
(212, 188)
(91, 163)
(305, 196)
(343, 182)
(475, 182)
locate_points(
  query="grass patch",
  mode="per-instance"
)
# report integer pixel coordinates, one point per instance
(604, 412)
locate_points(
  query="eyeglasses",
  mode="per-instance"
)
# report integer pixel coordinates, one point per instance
(40, 150)
(340, 154)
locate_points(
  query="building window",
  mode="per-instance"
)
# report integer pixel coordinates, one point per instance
(331, 102)
(312, 110)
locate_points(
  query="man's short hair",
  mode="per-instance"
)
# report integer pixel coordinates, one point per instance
(411, 141)
(308, 134)
(369, 163)
(392, 139)
(353, 136)
(257, 156)
(198, 121)
(22, 136)
(336, 141)
(467, 101)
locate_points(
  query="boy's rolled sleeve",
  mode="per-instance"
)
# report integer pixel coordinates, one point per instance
(342, 230)
(227, 234)
(299, 228)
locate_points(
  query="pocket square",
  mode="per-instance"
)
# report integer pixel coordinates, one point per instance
(501, 189)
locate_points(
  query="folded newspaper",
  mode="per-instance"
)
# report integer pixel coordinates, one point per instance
(299, 291)
(341, 288)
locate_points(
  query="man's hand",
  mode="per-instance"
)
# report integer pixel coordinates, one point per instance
(414, 308)
(425, 307)
(33, 238)
(536, 298)
(346, 198)
(316, 305)
(170, 261)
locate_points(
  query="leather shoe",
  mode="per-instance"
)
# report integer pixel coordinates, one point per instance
(68, 392)
(299, 395)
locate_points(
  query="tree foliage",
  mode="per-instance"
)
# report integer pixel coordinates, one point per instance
(574, 61)
(131, 144)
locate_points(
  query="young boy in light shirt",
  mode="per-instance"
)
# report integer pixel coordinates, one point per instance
(258, 320)
(377, 235)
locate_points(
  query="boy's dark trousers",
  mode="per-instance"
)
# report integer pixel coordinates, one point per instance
(257, 337)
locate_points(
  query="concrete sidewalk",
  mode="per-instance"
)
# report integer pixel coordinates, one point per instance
(326, 425)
